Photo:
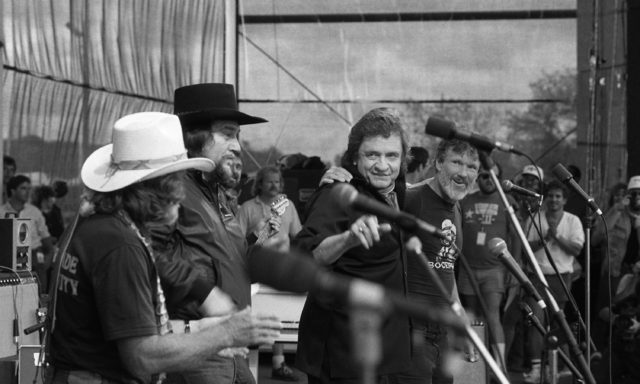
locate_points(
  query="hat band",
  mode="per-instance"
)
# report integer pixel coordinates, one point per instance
(131, 165)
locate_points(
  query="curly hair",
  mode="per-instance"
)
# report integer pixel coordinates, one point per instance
(145, 202)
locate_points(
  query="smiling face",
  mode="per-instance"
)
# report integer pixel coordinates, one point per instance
(456, 174)
(379, 160)
(555, 200)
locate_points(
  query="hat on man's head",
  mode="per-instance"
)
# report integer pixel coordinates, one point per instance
(202, 103)
(634, 182)
(533, 171)
(145, 145)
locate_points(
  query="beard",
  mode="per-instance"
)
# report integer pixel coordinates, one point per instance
(225, 176)
(452, 191)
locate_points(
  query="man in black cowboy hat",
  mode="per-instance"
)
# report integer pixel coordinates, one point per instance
(205, 256)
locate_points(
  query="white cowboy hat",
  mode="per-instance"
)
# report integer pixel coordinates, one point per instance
(145, 145)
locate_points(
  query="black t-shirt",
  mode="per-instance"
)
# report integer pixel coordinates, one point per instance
(106, 292)
(424, 203)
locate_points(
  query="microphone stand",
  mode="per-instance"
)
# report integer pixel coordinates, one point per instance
(458, 310)
(367, 342)
(588, 223)
(538, 325)
(557, 313)
(590, 344)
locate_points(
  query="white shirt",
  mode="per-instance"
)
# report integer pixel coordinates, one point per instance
(38, 229)
(569, 228)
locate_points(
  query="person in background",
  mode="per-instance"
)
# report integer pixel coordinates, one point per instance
(531, 178)
(485, 218)
(269, 213)
(360, 246)
(9, 169)
(418, 165)
(623, 247)
(563, 235)
(19, 191)
(44, 198)
(110, 321)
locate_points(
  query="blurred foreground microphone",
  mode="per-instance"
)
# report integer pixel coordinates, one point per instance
(348, 196)
(508, 186)
(447, 130)
(300, 273)
(498, 247)
(566, 177)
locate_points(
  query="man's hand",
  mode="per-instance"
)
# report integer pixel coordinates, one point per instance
(248, 328)
(274, 223)
(366, 231)
(338, 174)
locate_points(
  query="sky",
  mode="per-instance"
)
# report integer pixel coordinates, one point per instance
(404, 61)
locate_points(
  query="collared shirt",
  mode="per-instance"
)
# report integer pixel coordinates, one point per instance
(254, 213)
(38, 228)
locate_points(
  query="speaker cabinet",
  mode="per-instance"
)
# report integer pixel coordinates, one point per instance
(23, 297)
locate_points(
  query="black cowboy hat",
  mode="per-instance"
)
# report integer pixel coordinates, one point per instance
(202, 103)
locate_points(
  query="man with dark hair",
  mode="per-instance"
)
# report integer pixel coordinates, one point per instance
(19, 191)
(417, 167)
(110, 323)
(359, 246)
(564, 237)
(205, 256)
(9, 168)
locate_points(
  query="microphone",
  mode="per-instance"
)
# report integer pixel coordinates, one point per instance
(447, 130)
(566, 177)
(509, 186)
(299, 273)
(498, 247)
(348, 196)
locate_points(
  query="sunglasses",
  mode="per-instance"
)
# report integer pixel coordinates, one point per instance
(484, 176)
(634, 193)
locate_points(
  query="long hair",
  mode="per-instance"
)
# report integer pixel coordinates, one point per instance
(145, 202)
(262, 173)
(377, 122)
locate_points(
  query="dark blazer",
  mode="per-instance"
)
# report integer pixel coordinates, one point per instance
(325, 337)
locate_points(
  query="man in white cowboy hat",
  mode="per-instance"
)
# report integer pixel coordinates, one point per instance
(109, 320)
(207, 236)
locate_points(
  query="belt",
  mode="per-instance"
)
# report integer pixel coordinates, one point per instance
(184, 326)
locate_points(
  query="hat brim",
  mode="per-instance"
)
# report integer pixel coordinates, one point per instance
(97, 174)
(219, 114)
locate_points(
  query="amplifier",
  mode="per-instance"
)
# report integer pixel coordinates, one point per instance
(19, 303)
(15, 244)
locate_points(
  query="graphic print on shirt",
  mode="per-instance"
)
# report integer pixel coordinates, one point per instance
(447, 253)
(483, 213)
